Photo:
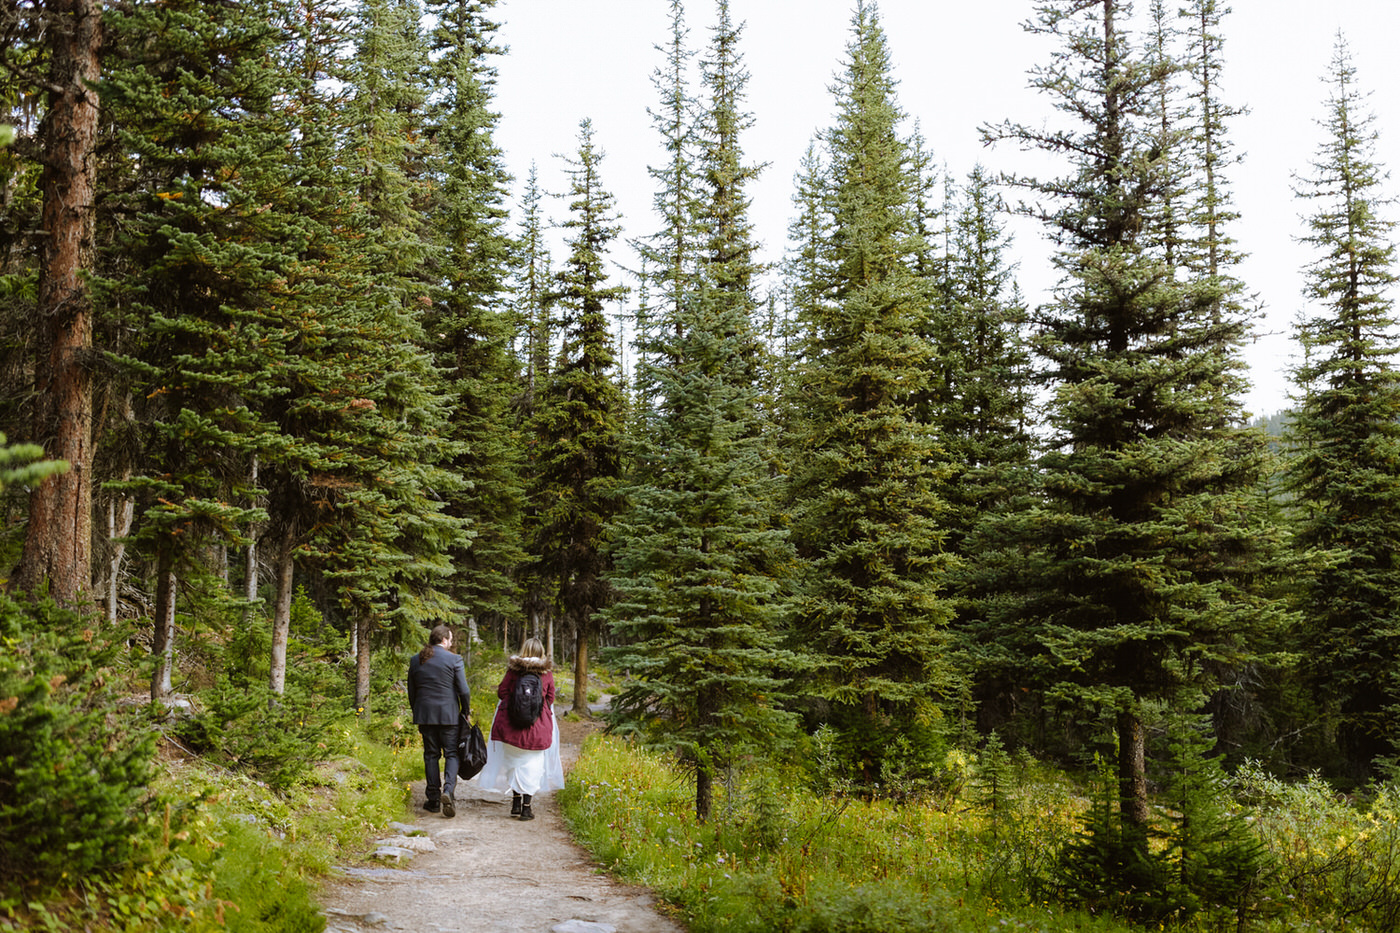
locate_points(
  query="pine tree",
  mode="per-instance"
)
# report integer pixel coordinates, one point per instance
(864, 473)
(468, 324)
(697, 556)
(803, 288)
(57, 545)
(981, 413)
(1346, 432)
(1135, 578)
(532, 276)
(201, 260)
(670, 253)
(1211, 212)
(1216, 861)
(578, 422)
(532, 313)
(982, 362)
(389, 542)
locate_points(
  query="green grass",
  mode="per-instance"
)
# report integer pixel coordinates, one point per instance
(780, 858)
(777, 857)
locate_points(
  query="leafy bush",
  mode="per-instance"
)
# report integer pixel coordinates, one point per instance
(1338, 862)
(74, 771)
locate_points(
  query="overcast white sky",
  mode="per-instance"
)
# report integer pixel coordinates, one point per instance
(960, 64)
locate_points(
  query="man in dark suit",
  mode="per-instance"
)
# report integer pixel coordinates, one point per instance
(438, 694)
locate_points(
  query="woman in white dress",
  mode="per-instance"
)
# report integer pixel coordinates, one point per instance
(523, 753)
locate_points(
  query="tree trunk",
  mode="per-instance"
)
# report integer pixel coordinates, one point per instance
(250, 560)
(250, 571)
(281, 617)
(704, 791)
(58, 539)
(362, 623)
(580, 674)
(706, 710)
(163, 644)
(1132, 778)
(118, 527)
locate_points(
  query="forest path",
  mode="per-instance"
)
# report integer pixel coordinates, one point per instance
(491, 873)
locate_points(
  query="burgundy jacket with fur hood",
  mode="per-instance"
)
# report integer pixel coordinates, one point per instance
(538, 736)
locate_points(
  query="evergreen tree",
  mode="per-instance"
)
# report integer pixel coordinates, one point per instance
(388, 543)
(579, 418)
(58, 540)
(982, 363)
(532, 313)
(1211, 212)
(698, 599)
(670, 253)
(469, 324)
(869, 614)
(202, 259)
(1134, 579)
(1346, 433)
(532, 276)
(1216, 863)
(981, 412)
(802, 281)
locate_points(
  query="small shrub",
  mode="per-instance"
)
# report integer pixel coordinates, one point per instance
(275, 738)
(1338, 863)
(1107, 867)
(73, 773)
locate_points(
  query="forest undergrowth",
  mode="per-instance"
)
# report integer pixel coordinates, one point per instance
(117, 814)
(972, 855)
(226, 816)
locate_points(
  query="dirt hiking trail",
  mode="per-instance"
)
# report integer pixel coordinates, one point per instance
(487, 872)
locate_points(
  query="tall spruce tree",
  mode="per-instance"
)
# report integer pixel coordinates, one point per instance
(981, 413)
(670, 253)
(577, 424)
(1211, 212)
(1345, 471)
(1133, 580)
(697, 555)
(388, 546)
(532, 276)
(981, 364)
(468, 325)
(869, 614)
(204, 249)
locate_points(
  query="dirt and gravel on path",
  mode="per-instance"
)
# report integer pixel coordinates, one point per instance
(484, 871)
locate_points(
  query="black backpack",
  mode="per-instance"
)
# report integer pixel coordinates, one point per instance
(526, 701)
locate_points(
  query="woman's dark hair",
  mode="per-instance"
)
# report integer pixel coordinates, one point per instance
(436, 637)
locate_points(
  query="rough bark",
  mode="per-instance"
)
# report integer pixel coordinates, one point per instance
(250, 564)
(58, 539)
(1132, 773)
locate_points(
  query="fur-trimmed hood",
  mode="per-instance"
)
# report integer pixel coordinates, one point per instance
(529, 665)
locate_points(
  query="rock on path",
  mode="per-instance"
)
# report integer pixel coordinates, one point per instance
(485, 872)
